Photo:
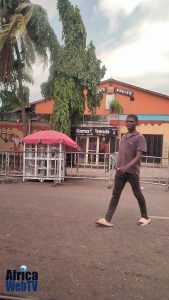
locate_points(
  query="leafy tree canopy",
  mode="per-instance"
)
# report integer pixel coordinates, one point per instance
(9, 96)
(25, 34)
(75, 68)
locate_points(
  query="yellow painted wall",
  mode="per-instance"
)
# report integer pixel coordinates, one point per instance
(162, 129)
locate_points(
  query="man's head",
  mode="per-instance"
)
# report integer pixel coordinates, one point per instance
(131, 122)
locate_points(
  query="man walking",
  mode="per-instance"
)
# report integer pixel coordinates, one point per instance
(132, 146)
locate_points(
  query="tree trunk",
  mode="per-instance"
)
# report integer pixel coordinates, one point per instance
(21, 95)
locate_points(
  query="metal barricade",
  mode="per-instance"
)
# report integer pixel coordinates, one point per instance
(4, 165)
(11, 164)
(154, 170)
(87, 165)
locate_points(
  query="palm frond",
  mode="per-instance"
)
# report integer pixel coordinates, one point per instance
(21, 6)
(27, 15)
(27, 77)
(4, 33)
(18, 26)
(10, 30)
(27, 48)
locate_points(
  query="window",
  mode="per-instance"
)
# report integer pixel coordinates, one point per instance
(109, 99)
(154, 146)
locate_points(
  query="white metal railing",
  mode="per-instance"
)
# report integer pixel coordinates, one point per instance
(154, 170)
(11, 164)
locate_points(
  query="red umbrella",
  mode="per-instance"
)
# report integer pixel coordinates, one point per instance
(50, 137)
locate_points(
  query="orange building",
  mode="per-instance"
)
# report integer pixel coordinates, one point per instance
(104, 130)
(43, 106)
(151, 107)
(133, 99)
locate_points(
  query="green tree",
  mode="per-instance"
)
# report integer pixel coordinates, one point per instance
(75, 68)
(24, 34)
(116, 107)
(9, 91)
(9, 96)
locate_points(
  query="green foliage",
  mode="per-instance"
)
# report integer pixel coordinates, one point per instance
(74, 64)
(75, 68)
(62, 92)
(9, 96)
(74, 32)
(25, 33)
(25, 25)
(42, 35)
(116, 107)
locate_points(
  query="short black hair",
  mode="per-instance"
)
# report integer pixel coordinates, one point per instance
(133, 116)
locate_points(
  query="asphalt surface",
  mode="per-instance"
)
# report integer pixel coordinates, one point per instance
(51, 230)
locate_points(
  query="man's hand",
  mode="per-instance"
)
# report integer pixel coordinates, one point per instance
(122, 169)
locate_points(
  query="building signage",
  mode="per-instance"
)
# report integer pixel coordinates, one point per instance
(103, 90)
(123, 92)
(96, 131)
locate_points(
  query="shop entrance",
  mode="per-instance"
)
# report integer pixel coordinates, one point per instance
(96, 144)
(92, 149)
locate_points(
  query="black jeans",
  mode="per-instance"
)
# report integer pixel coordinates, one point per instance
(120, 181)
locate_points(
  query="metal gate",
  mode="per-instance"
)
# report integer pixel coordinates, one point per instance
(154, 170)
(11, 165)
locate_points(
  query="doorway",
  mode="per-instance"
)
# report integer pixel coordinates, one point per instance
(92, 149)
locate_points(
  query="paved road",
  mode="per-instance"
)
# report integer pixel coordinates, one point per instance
(51, 230)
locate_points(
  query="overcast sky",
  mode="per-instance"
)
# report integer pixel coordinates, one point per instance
(131, 40)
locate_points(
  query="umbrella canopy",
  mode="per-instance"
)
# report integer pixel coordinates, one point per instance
(50, 137)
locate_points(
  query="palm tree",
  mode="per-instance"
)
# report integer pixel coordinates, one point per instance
(24, 33)
(13, 45)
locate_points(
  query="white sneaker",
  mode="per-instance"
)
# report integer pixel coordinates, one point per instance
(103, 222)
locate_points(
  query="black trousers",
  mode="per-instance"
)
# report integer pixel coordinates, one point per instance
(120, 181)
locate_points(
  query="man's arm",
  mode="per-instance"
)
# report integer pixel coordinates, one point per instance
(131, 163)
